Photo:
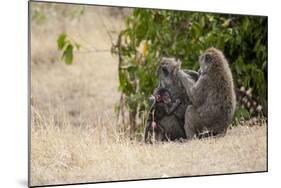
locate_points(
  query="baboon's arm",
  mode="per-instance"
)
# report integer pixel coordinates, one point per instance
(193, 74)
(199, 91)
(187, 83)
(170, 110)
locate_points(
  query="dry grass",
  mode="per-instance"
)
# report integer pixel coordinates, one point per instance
(74, 154)
(74, 133)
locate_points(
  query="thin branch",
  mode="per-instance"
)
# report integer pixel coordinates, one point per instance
(107, 31)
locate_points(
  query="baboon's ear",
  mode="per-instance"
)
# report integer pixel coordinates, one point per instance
(177, 67)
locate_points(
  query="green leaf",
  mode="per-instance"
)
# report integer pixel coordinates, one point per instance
(68, 54)
(61, 41)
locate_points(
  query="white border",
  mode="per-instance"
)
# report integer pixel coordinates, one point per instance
(13, 95)
(249, 7)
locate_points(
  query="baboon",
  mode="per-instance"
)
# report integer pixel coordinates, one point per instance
(212, 96)
(166, 73)
(163, 103)
(163, 123)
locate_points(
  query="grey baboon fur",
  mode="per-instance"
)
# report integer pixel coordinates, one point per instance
(212, 96)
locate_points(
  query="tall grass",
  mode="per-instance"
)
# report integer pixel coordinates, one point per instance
(71, 154)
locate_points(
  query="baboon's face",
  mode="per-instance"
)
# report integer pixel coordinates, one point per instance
(204, 61)
(167, 67)
(164, 97)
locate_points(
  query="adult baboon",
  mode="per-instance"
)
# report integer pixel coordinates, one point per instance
(167, 74)
(212, 95)
(163, 124)
(168, 67)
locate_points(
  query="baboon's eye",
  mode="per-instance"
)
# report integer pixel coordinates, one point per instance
(164, 62)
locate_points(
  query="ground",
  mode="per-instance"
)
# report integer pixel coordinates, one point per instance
(75, 136)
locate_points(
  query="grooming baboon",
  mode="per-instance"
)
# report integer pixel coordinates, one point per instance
(212, 95)
(163, 124)
(166, 73)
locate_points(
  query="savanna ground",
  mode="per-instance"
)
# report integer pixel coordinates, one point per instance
(75, 135)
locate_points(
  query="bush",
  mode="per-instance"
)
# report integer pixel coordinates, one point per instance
(151, 34)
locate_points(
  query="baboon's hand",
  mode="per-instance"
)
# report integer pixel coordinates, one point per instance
(178, 101)
(153, 125)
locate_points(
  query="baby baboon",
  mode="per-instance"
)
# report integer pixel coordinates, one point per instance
(163, 123)
(164, 104)
(212, 96)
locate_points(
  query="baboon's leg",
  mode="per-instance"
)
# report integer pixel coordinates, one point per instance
(192, 122)
(188, 132)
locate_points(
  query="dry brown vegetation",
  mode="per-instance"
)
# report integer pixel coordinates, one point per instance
(75, 136)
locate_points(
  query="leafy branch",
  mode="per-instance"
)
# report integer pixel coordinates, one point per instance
(150, 34)
(66, 46)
